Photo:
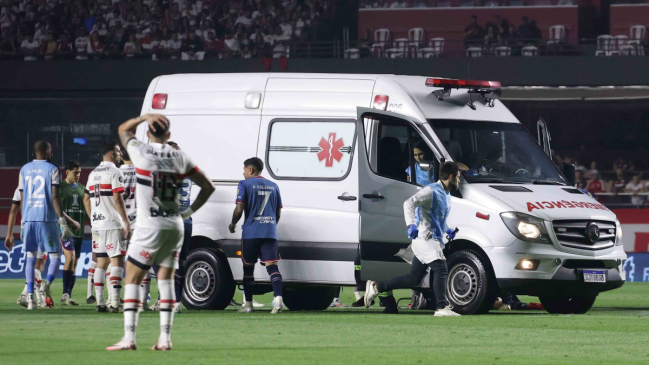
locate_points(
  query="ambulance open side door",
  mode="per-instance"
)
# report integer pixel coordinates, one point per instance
(543, 136)
(385, 142)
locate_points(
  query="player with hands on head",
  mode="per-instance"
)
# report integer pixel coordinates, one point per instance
(434, 201)
(160, 230)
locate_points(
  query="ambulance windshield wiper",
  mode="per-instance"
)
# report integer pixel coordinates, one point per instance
(547, 182)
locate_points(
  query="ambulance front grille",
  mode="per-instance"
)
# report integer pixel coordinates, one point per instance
(573, 234)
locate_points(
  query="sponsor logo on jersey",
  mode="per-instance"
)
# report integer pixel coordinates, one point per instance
(162, 212)
(97, 217)
(110, 246)
(146, 255)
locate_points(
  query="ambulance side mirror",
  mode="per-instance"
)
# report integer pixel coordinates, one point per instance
(430, 167)
(569, 173)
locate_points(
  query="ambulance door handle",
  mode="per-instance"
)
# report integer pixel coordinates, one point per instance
(373, 196)
(347, 198)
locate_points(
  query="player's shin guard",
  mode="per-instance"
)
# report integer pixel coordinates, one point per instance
(131, 304)
(116, 274)
(275, 279)
(248, 281)
(91, 279)
(145, 288)
(30, 271)
(100, 278)
(167, 301)
(179, 282)
(53, 268)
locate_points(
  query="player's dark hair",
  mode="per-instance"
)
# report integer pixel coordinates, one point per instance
(107, 146)
(71, 165)
(420, 145)
(256, 163)
(41, 146)
(125, 155)
(448, 168)
(160, 130)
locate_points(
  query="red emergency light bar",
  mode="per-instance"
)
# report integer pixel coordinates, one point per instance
(462, 84)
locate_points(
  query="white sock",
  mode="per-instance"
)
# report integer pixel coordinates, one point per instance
(167, 300)
(358, 295)
(116, 274)
(145, 289)
(38, 280)
(24, 290)
(91, 279)
(131, 304)
(108, 284)
(100, 278)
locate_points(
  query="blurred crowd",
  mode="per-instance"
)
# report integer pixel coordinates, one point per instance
(158, 29)
(622, 177)
(499, 32)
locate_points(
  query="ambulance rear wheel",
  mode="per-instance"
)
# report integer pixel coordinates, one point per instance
(468, 283)
(567, 304)
(208, 281)
(309, 299)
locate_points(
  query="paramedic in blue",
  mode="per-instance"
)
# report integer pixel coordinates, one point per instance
(419, 152)
(427, 240)
(42, 217)
(260, 200)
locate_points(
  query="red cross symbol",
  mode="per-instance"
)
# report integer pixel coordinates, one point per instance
(330, 150)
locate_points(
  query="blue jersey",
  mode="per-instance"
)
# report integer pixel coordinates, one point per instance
(422, 175)
(36, 181)
(262, 200)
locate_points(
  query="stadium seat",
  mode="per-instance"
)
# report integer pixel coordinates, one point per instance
(491, 3)
(637, 37)
(474, 52)
(529, 51)
(503, 51)
(399, 49)
(628, 50)
(605, 46)
(435, 48)
(198, 56)
(381, 39)
(416, 38)
(352, 53)
(557, 34)
(443, 4)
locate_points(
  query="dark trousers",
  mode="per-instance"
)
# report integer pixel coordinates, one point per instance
(438, 272)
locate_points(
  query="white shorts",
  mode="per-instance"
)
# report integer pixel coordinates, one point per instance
(108, 243)
(160, 246)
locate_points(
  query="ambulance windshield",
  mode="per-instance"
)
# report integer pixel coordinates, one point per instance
(493, 152)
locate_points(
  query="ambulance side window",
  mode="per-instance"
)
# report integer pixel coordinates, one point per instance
(395, 151)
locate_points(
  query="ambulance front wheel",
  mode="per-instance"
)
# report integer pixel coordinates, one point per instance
(567, 304)
(469, 287)
(209, 284)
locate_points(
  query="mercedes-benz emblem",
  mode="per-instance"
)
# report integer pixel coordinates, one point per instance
(592, 232)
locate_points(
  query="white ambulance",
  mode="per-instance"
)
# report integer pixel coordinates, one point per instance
(340, 148)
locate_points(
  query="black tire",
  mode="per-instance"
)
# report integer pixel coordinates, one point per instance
(208, 281)
(568, 304)
(469, 287)
(309, 299)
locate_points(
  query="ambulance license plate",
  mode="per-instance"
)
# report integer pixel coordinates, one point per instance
(594, 276)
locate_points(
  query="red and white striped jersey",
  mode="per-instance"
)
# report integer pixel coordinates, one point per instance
(128, 170)
(160, 171)
(103, 182)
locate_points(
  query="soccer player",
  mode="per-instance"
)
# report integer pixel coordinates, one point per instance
(39, 189)
(110, 226)
(72, 193)
(260, 200)
(427, 245)
(160, 230)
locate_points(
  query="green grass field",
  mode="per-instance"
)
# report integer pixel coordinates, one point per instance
(616, 331)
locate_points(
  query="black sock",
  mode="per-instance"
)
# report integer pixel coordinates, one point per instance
(72, 282)
(275, 279)
(360, 284)
(179, 282)
(248, 281)
(67, 277)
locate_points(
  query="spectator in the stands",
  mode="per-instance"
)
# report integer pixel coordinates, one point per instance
(244, 19)
(635, 186)
(620, 164)
(110, 46)
(41, 33)
(398, 4)
(580, 183)
(494, 23)
(158, 46)
(492, 38)
(579, 167)
(192, 44)
(145, 43)
(380, 4)
(535, 32)
(95, 46)
(473, 33)
(503, 27)
(30, 48)
(48, 48)
(131, 47)
(593, 171)
(174, 46)
(524, 29)
(8, 47)
(419, 4)
(595, 185)
(65, 49)
(619, 184)
(212, 45)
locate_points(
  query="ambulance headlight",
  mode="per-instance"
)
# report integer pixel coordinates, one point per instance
(618, 233)
(526, 227)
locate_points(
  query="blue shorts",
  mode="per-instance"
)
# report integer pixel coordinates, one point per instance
(266, 249)
(42, 235)
(74, 244)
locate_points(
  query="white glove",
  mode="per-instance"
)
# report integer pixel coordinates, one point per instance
(66, 233)
(186, 214)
